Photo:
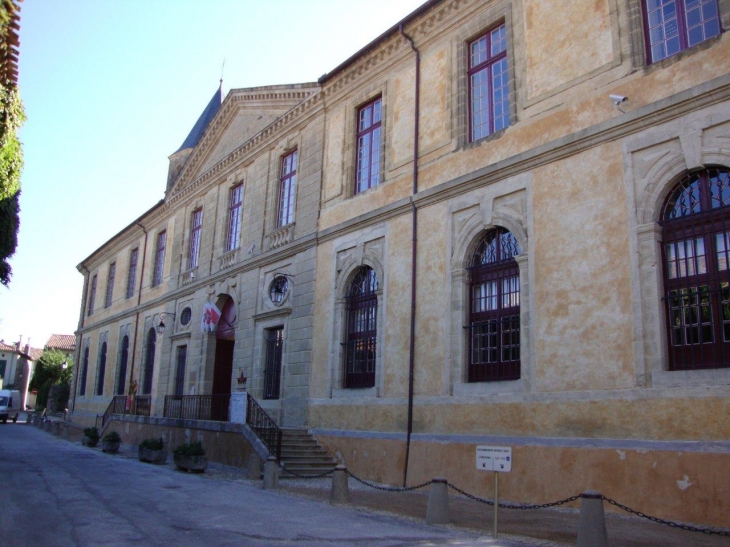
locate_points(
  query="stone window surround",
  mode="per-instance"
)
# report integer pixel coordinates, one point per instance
(103, 339)
(366, 95)
(124, 330)
(256, 380)
(158, 264)
(488, 19)
(288, 151)
(649, 193)
(639, 57)
(462, 249)
(84, 367)
(344, 276)
(264, 303)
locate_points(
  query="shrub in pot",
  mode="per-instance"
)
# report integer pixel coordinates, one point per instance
(191, 457)
(152, 451)
(111, 442)
(91, 436)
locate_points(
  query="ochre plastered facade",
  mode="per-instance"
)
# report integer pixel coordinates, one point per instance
(579, 183)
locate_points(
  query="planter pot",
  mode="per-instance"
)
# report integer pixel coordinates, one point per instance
(110, 447)
(152, 456)
(193, 464)
(86, 441)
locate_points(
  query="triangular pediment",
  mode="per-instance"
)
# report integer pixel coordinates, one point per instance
(243, 115)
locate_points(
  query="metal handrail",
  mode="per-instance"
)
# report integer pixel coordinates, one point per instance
(118, 405)
(142, 404)
(264, 426)
(198, 407)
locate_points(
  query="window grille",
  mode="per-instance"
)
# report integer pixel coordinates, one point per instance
(362, 330)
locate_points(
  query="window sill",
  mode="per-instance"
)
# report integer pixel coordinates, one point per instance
(482, 389)
(687, 378)
(354, 393)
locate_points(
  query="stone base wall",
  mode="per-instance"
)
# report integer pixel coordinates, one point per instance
(681, 481)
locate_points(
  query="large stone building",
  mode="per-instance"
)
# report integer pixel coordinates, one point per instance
(550, 273)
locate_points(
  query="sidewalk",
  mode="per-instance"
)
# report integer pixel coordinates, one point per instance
(553, 527)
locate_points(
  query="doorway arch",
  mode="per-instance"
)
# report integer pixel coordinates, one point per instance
(225, 341)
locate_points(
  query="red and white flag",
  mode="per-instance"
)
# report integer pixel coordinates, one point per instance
(211, 315)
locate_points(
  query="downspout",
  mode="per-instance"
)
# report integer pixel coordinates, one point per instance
(139, 300)
(414, 252)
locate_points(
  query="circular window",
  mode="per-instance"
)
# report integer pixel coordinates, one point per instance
(185, 316)
(278, 289)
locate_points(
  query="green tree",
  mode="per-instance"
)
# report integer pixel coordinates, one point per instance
(11, 152)
(48, 372)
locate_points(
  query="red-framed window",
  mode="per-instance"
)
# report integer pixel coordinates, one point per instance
(132, 272)
(287, 189)
(488, 83)
(159, 258)
(362, 330)
(671, 26)
(123, 359)
(101, 371)
(369, 136)
(494, 309)
(181, 359)
(235, 206)
(92, 295)
(196, 224)
(110, 285)
(149, 362)
(84, 371)
(696, 259)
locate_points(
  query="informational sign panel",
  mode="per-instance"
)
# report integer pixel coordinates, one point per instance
(494, 458)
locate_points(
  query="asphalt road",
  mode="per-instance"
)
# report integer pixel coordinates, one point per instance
(57, 493)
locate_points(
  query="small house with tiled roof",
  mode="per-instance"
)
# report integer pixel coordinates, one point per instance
(65, 343)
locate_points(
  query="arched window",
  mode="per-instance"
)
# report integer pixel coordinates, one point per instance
(696, 258)
(494, 309)
(149, 367)
(101, 371)
(84, 372)
(362, 330)
(123, 358)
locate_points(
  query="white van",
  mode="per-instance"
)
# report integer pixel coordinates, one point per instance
(9, 405)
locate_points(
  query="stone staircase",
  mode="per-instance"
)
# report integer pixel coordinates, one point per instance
(303, 455)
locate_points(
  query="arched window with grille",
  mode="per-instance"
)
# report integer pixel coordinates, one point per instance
(149, 361)
(494, 309)
(696, 259)
(122, 372)
(362, 330)
(101, 370)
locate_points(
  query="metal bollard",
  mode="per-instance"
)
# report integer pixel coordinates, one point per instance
(254, 466)
(271, 474)
(592, 520)
(340, 492)
(437, 511)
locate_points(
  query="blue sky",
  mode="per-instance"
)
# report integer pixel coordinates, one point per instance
(111, 89)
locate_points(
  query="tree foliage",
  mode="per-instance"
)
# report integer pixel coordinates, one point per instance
(49, 369)
(11, 152)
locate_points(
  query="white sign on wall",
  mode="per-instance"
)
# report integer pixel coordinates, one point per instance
(494, 458)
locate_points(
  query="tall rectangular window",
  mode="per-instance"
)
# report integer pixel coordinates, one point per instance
(92, 295)
(233, 238)
(287, 188)
(488, 83)
(132, 273)
(110, 285)
(196, 223)
(182, 357)
(159, 258)
(368, 145)
(674, 25)
(274, 339)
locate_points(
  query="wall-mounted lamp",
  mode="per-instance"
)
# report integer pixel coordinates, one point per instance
(161, 325)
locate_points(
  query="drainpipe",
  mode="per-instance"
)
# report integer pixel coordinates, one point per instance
(414, 252)
(139, 300)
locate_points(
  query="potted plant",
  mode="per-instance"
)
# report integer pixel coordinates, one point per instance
(91, 436)
(152, 451)
(111, 442)
(191, 457)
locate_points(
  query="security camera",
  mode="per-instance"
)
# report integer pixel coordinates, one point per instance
(618, 99)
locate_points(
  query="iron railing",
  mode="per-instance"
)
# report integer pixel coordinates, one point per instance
(264, 427)
(198, 407)
(142, 404)
(122, 404)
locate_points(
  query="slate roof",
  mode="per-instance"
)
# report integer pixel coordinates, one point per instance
(199, 128)
(63, 342)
